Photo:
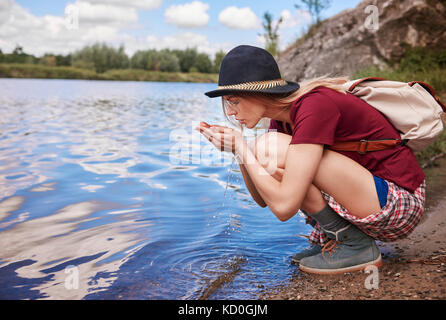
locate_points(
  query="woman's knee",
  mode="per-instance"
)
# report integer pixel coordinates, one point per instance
(270, 149)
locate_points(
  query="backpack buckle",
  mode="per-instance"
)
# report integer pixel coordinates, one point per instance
(362, 146)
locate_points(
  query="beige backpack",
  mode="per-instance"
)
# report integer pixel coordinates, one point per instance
(412, 108)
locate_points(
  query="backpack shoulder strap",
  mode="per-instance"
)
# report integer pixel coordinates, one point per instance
(354, 83)
(364, 146)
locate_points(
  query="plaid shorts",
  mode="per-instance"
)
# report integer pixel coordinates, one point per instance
(396, 220)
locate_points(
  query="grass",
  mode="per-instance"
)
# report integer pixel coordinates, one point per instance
(420, 64)
(143, 75)
(435, 77)
(435, 149)
(17, 70)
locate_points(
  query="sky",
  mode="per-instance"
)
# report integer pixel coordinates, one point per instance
(61, 27)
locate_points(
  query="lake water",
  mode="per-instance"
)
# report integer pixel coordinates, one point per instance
(107, 192)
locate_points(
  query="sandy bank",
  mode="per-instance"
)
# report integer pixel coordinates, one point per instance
(414, 268)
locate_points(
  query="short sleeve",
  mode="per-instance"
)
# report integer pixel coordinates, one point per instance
(315, 120)
(274, 126)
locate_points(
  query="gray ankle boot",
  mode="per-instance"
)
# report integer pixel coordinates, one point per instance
(349, 249)
(313, 250)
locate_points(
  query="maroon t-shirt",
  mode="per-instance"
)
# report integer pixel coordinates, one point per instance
(323, 116)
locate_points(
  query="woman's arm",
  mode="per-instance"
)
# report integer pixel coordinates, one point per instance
(284, 197)
(251, 187)
(278, 173)
(248, 182)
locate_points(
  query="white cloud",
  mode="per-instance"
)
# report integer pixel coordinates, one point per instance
(138, 4)
(299, 18)
(292, 26)
(239, 18)
(5, 9)
(261, 40)
(189, 15)
(49, 34)
(186, 40)
(100, 14)
(40, 35)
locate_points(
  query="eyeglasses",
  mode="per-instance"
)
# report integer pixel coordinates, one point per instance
(227, 103)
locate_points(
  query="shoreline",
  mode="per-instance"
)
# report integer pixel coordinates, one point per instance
(414, 268)
(35, 71)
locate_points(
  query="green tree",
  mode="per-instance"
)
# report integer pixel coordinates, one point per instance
(168, 61)
(18, 50)
(217, 61)
(137, 60)
(62, 60)
(203, 63)
(187, 58)
(315, 7)
(83, 58)
(140, 60)
(19, 56)
(48, 60)
(101, 58)
(146, 59)
(152, 60)
(117, 58)
(271, 34)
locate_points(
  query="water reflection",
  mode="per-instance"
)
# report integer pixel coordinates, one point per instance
(90, 178)
(58, 237)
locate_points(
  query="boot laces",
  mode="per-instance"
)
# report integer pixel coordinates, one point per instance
(330, 247)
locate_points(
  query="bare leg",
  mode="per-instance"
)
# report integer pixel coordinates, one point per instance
(353, 186)
(344, 179)
(273, 159)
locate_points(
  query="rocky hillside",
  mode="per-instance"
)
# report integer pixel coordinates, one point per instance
(345, 43)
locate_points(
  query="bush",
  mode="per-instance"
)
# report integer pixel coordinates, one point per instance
(417, 64)
(186, 58)
(203, 63)
(169, 62)
(101, 58)
(422, 59)
(217, 61)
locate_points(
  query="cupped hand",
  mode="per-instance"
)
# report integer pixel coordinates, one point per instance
(223, 138)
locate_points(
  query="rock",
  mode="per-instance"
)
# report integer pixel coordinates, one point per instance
(343, 44)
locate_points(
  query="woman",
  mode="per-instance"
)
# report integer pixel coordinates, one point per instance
(351, 198)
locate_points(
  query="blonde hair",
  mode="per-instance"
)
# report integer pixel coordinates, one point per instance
(282, 102)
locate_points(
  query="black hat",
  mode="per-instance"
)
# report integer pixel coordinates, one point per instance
(250, 69)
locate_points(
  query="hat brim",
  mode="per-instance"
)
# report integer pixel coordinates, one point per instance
(290, 87)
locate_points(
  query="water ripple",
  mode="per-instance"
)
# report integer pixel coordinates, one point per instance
(110, 178)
